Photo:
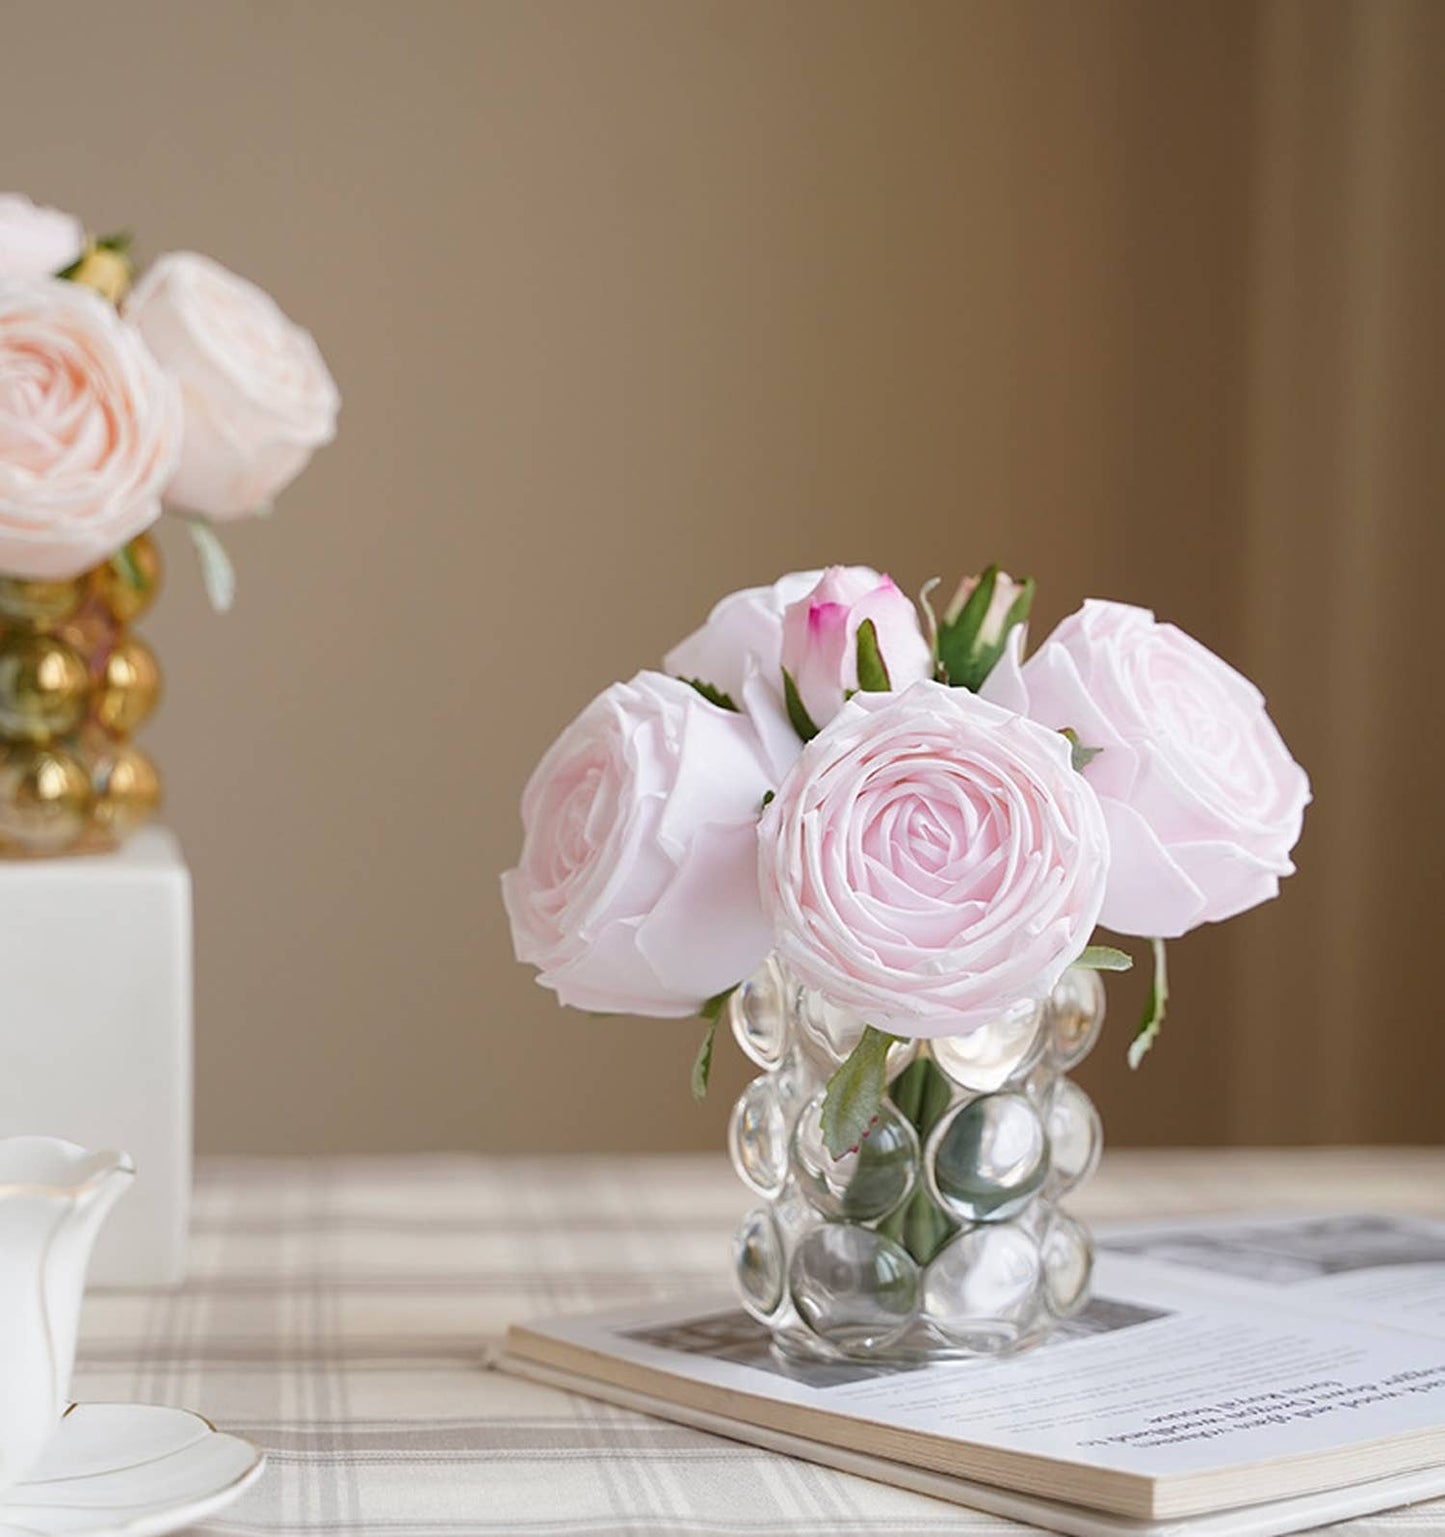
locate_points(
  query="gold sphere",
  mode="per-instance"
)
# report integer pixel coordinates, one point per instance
(39, 603)
(45, 798)
(127, 789)
(110, 583)
(92, 631)
(129, 686)
(44, 686)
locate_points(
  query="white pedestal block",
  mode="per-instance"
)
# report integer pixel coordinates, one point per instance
(95, 1031)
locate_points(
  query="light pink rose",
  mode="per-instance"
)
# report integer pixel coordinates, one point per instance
(740, 651)
(820, 638)
(258, 398)
(36, 242)
(743, 635)
(1202, 798)
(636, 891)
(932, 861)
(89, 430)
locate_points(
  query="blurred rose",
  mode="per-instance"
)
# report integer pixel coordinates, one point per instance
(637, 891)
(932, 860)
(1202, 798)
(258, 398)
(820, 638)
(36, 242)
(89, 430)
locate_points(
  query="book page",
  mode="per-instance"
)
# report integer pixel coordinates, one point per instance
(1372, 1266)
(1159, 1377)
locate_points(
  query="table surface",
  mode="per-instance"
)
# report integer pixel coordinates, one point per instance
(341, 1313)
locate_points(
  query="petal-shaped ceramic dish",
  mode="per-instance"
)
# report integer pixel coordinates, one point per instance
(128, 1470)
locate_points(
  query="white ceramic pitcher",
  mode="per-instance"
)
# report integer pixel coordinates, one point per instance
(53, 1198)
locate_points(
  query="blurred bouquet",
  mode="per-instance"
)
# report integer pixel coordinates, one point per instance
(899, 812)
(189, 392)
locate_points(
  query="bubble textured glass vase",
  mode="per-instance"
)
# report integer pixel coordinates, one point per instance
(942, 1233)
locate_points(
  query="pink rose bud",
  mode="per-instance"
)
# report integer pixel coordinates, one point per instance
(820, 638)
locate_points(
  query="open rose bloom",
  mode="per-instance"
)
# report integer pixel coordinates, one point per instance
(887, 849)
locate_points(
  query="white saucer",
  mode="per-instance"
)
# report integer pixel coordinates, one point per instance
(128, 1470)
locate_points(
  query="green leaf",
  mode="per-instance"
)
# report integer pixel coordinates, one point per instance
(1105, 958)
(1079, 755)
(1154, 1008)
(129, 568)
(217, 573)
(702, 1062)
(854, 1093)
(711, 693)
(769, 796)
(966, 655)
(797, 710)
(713, 1008)
(872, 669)
(120, 242)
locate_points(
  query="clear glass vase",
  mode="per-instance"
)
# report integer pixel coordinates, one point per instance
(942, 1234)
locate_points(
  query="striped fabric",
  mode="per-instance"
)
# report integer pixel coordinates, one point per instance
(342, 1314)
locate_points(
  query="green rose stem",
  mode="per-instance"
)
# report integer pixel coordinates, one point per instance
(711, 1011)
(1154, 1007)
(922, 1094)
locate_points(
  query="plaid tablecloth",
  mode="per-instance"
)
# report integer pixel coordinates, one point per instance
(342, 1314)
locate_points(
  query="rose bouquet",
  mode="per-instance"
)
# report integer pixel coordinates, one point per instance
(189, 392)
(881, 841)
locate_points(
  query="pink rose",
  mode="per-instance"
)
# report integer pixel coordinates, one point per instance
(740, 652)
(1202, 798)
(89, 430)
(636, 891)
(743, 635)
(36, 242)
(820, 638)
(932, 861)
(258, 398)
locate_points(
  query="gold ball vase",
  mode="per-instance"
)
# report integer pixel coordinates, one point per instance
(76, 684)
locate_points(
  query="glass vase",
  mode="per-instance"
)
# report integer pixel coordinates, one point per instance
(942, 1234)
(76, 683)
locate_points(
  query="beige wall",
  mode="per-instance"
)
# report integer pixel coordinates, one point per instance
(635, 303)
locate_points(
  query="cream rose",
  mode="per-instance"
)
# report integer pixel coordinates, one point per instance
(932, 860)
(89, 430)
(258, 398)
(636, 891)
(1201, 796)
(36, 242)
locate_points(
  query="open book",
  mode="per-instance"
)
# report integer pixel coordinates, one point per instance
(1242, 1377)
